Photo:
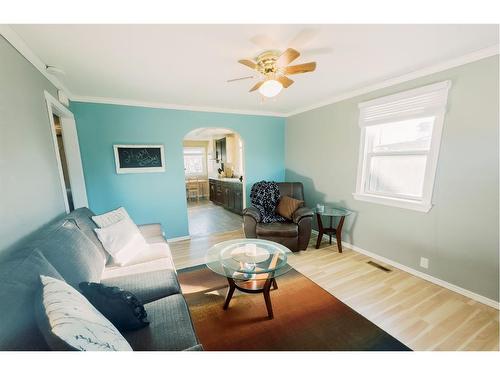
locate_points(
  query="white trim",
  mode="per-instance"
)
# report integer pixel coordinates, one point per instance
(445, 284)
(120, 170)
(394, 202)
(177, 239)
(72, 151)
(18, 43)
(180, 107)
(445, 65)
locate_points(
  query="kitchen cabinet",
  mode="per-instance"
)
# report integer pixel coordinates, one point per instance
(220, 150)
(228, 194)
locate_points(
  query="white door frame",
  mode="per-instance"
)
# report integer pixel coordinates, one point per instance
(71, 149)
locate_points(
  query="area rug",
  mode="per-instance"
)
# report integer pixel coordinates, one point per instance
(306, 317)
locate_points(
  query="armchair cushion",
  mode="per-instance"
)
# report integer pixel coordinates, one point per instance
(287, 206)
(277, 230)
(301, 213)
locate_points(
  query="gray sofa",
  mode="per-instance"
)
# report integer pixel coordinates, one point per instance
(68, 249)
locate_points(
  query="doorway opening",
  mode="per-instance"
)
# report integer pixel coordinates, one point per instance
(67, 153)
(64, 163)
(215, 180)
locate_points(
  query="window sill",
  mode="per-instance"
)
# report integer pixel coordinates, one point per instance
(393, 202)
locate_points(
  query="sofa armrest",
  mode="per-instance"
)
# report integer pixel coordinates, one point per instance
(301, 213)
(253, 212)
(151, 230)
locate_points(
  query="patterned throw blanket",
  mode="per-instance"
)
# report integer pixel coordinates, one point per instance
(265, 196)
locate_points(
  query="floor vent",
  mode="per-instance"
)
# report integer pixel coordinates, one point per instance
(379, 266)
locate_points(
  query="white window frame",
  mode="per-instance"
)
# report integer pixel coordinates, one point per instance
(435, 107)
(203, 154)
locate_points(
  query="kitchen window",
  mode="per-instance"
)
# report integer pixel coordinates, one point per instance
(400, 138)
(195, 163)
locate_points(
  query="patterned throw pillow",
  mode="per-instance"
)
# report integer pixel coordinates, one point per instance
(287, 206)
(111, 217)
(122, 308)
(69, 322)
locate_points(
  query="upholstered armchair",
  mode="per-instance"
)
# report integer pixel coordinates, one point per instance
(294, 234)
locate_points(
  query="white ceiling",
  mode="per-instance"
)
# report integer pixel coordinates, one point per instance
(188, 65)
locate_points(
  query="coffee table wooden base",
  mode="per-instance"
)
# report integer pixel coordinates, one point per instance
(252, 286)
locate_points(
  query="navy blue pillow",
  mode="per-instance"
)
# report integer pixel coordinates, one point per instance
(120, 307)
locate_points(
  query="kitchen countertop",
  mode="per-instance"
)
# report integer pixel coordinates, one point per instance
(226, 179)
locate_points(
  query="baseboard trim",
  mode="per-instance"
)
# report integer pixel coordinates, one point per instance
(445, 284)
(177, 239)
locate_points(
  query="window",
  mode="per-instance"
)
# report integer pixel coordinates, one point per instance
(400, 138)
(195, 161)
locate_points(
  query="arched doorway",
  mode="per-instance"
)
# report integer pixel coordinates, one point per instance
(214, 177)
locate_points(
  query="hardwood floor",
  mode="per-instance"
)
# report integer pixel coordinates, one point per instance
(422, 315)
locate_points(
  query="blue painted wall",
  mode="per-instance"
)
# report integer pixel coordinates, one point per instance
(160, 197)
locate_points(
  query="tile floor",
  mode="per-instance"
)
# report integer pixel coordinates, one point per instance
(207, 218)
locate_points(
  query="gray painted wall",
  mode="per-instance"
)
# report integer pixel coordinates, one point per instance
(30, 191)
(460, 233)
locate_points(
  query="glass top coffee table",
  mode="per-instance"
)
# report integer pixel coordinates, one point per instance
(250, 265)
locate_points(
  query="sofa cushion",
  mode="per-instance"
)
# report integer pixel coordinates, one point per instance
(277, 230)
(121, 307)
(82, 217)
(170, 327)
(19, 280)
(148, 286)
(122, 240)
(72, 254)
(155, 257)
(68, 320)
(111, 217)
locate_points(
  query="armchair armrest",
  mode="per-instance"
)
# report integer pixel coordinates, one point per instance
(301, 213)
(253, 212)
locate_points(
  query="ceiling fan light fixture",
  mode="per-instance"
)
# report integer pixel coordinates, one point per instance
(270, 88)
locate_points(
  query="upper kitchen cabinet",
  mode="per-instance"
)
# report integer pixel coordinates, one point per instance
(220, 150)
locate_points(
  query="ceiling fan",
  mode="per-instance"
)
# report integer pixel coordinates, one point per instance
(274, 68)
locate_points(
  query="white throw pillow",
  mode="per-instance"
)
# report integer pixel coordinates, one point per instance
(69, 321)
(122, 240)
(110, 218)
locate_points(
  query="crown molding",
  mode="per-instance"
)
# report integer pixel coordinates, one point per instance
(18, 43)
(462, 60)
(161, 105)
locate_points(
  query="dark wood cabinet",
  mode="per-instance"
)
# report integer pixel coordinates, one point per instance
(228, 194)
(211, 190)
(220, 150)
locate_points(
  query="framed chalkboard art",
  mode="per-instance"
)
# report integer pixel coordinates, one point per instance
(139, 158)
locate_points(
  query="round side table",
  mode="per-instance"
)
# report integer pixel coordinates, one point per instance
(331, 212)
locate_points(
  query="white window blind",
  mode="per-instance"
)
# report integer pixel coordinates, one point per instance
(400, 137)
(420, 102)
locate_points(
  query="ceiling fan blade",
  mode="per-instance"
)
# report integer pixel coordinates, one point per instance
(239, 79)
(285, 81)
(248, 63)
(301, 68)
(287, 57)
(256, 86)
